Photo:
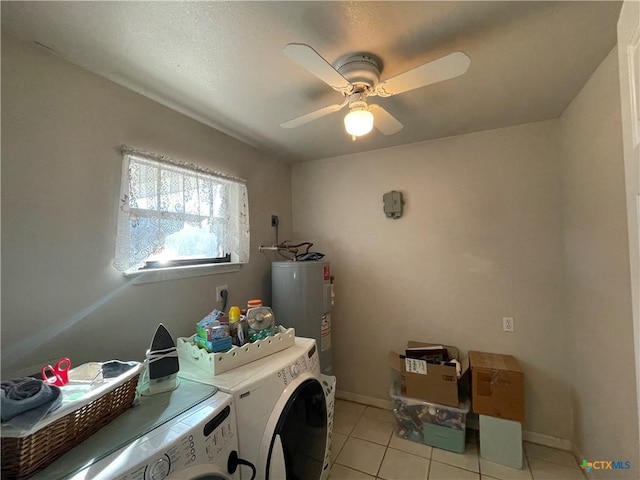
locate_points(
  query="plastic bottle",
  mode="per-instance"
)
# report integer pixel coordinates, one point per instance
(234, 323)
(234, 314)
(254, 304)
(243, 332)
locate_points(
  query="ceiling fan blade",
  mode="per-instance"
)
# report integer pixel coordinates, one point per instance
(307, 57)
(296, 122)
(449, 66)
(386, 123)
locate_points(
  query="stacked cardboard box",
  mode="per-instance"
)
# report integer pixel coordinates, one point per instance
(432, 382)
(426, 395)
(497, 391)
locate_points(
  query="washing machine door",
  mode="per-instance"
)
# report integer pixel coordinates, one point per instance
(296, 434)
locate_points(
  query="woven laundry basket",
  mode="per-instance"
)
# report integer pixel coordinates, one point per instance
(22, 456)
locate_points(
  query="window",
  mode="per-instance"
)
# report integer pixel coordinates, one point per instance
(177, 214)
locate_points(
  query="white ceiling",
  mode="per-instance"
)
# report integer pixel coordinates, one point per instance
(222, 62)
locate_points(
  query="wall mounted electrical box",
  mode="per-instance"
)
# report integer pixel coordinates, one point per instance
(393, 204)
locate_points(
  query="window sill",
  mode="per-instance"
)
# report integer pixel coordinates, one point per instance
(177, 273)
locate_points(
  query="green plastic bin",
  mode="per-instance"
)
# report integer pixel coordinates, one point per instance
(445, 438)
(429, 423)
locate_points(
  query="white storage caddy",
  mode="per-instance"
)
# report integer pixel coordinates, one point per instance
(190, 355)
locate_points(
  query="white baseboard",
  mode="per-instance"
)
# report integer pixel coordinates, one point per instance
(527, 436)
(549, 441)
(577, 453)
(365, 400)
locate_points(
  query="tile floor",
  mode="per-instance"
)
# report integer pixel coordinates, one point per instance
(365, 447)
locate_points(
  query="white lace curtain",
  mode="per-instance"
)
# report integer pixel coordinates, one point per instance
(160, 196)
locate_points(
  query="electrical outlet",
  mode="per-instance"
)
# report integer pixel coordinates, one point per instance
(275, 221)
(219, 291)
(507, 324)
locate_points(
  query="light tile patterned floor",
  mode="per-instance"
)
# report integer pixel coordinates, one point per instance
(365, 448)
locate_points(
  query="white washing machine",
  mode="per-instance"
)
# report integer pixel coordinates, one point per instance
(281, 412)
(177, 435)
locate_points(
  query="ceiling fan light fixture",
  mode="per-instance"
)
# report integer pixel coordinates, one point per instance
(358, 122)
(357, 77)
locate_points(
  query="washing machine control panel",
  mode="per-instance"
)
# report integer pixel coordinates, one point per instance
(160, 469)
(290, 372)
(307, 362)
(313, 361)
(204, 435)
(207, 440)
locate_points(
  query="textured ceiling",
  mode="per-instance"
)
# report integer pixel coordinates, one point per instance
(222, 62)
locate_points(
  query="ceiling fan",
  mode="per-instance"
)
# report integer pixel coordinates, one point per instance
(357, 77)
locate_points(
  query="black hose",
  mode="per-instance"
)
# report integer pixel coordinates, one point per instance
(234, 461)
(225, 296)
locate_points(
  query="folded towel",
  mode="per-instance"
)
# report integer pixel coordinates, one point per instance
(25, 401)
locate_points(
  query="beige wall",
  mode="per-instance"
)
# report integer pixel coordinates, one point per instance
(481, 238)
(597, 270)
(528, 222)
(61, 127)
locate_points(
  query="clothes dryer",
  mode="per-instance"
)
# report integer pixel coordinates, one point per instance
(281, 409)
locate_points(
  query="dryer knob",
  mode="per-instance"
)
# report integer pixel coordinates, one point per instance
(294, 370)
(160, 469)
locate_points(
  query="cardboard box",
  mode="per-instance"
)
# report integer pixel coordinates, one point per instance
(426, 381)
(497, 386)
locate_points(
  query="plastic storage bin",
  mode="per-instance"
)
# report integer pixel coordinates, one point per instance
(440, 426)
